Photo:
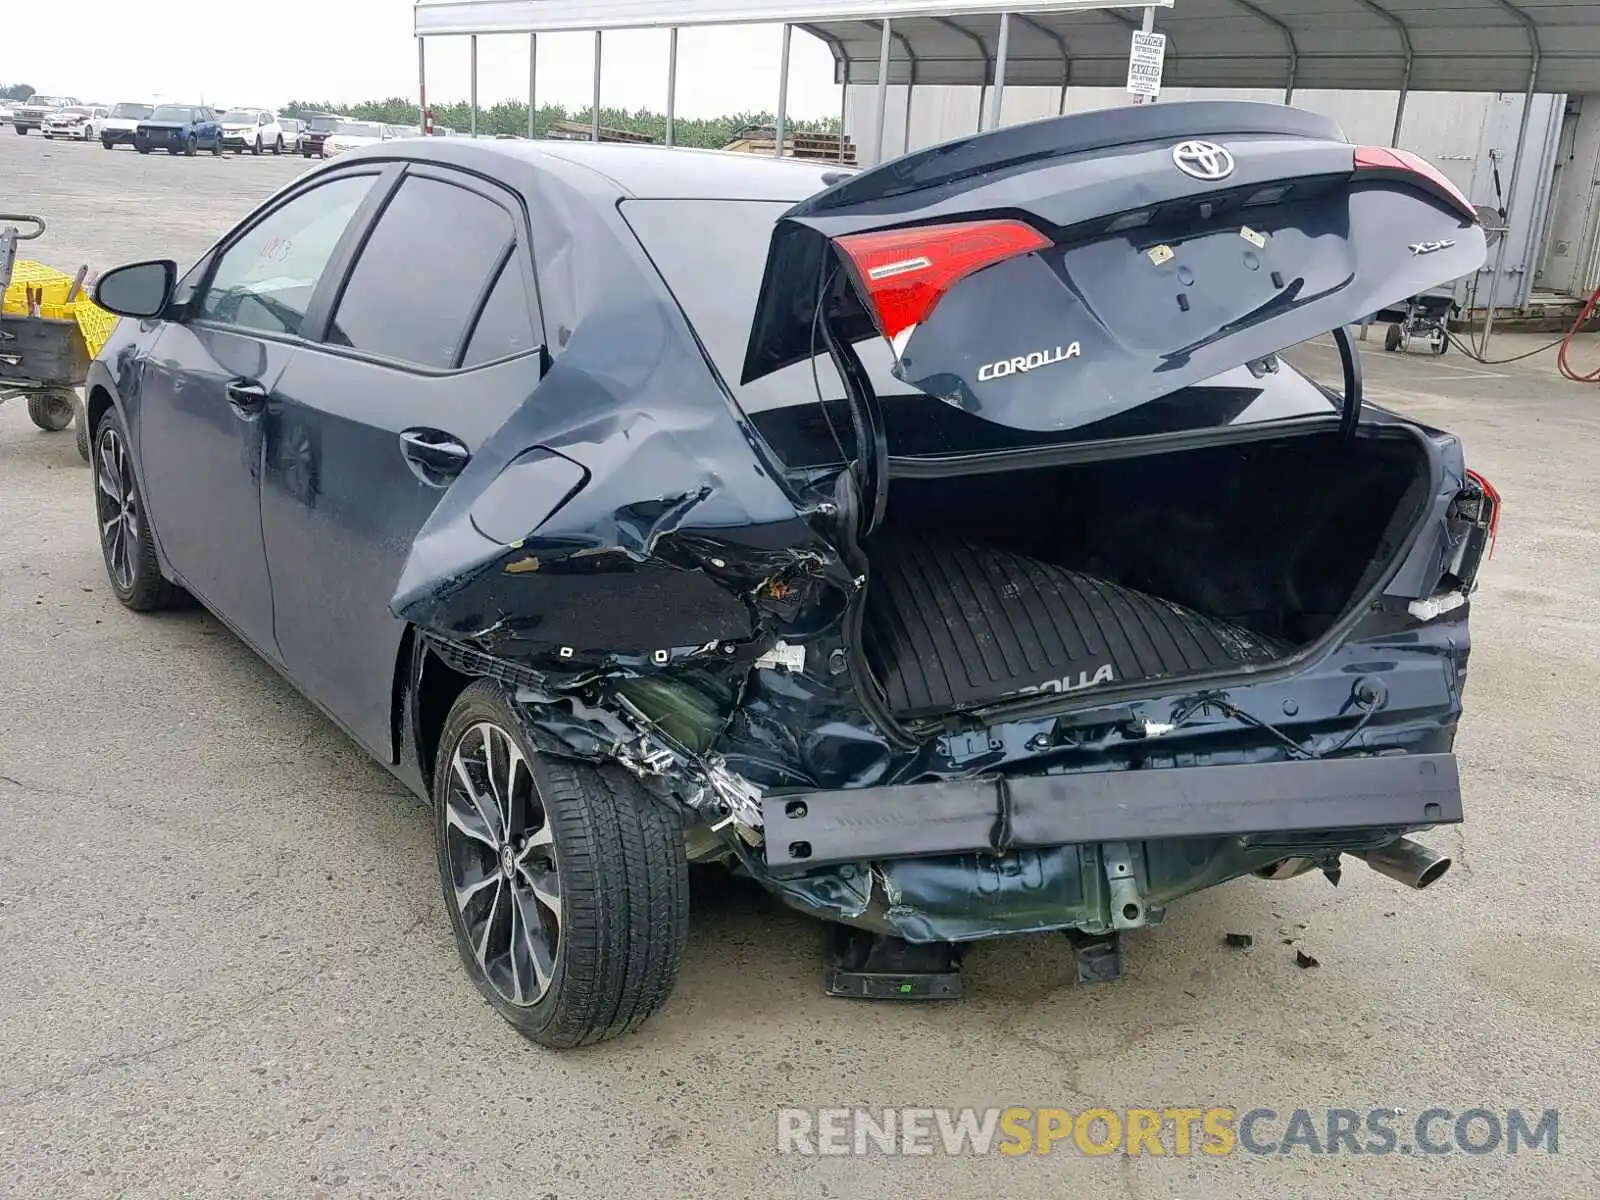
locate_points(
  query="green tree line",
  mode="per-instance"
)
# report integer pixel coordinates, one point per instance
(511, 116)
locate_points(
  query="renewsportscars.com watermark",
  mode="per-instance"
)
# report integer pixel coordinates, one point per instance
(1178, 1132)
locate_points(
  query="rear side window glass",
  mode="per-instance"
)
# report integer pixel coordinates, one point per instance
(420, 276)
(505, 327)
(712, 253)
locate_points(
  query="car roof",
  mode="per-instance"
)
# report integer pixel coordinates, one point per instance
(641, 172)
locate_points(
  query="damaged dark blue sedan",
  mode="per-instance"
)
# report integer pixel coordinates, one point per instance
(946, 546)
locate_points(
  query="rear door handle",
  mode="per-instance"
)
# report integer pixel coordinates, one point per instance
(247, 397)
(434, 456)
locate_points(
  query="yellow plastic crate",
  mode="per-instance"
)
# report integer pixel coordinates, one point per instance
(27, 274)
(95, 322)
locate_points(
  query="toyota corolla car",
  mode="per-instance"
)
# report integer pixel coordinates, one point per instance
(945, 546)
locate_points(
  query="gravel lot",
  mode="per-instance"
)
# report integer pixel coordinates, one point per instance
(227, 968)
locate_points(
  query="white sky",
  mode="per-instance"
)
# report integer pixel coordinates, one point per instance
(351, 50)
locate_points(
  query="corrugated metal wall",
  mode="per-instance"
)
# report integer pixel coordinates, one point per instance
(1461, 133)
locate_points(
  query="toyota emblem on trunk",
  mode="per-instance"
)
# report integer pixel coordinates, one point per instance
(1203, 160)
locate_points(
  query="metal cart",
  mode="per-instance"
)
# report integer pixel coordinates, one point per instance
(44, 346)
(1423, 319)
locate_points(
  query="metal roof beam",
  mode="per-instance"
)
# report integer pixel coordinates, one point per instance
(1411, 59)
(1066, 58)
(1288, 41)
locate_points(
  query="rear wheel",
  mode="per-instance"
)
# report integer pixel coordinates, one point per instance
(216, 148)
(80, 417)
(1391, 338)
(256, 149)
(125, 539)
(567, 886)
(191, 146)
(50, 411)
(277, 146)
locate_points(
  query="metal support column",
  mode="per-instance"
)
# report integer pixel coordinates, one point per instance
(1148, 25)
(883, 90)
(672, 84)
(1511, 200)
(783, 91)
(844, 107)
(595, 123)
(472, 123)
(983, 104)
(997, 97)
(1400, 104)
(422, 80)
(533, 80)
(905, 138)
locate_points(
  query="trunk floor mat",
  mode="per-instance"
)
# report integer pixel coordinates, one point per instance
(949, 624)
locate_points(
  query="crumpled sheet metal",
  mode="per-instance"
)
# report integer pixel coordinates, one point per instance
(625, 509)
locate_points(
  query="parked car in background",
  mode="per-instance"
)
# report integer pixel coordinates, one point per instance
(252, 129)
(80, 122)
(179, 129)
(319, 127)
(120, 123)
(352, 135)
(292, 128)
(30, 114)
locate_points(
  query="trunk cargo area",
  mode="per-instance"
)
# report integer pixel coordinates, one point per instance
(1121, 571)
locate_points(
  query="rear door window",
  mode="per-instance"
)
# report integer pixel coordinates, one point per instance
(421, 275)
(505, 327)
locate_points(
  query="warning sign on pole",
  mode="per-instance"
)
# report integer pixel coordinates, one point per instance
(1145, 59)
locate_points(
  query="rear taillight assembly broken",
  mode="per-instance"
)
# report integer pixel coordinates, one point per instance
(1474, 523)
(904, 273)
(1378, 159)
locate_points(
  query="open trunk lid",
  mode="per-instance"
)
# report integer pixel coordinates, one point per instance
(1051, 275)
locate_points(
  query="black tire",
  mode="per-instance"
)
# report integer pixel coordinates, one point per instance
(50, 411)
(107, 143)
(191, 146)
(216, 148)
(141, 147)
(1444, 344)
(277, 146)
(615, 856)
(1391, 338)
(142, 588)
(256, 149)
(22, 131)
(80, 420)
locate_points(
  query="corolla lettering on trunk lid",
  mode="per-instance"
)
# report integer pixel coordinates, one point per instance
(1028, 362)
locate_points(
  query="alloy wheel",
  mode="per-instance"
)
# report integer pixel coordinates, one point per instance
(504, 873)
(118, 507)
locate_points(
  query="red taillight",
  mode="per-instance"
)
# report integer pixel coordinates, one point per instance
(1381, 158)
(1491, 517)
(905, 272)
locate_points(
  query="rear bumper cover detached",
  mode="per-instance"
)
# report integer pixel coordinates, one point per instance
(998, 813)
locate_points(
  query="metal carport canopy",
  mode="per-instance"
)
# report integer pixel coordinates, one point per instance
(1428, 45)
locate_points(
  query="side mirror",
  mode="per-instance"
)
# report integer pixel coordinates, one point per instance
(139, 290)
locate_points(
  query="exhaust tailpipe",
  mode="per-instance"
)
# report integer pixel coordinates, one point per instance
(1411, 863)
